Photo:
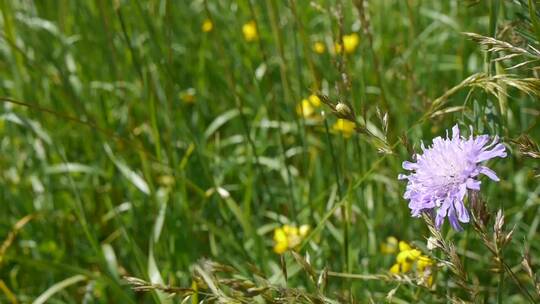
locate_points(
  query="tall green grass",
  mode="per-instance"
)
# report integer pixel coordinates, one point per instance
(122, 176)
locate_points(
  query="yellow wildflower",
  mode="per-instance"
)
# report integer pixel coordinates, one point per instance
(289, 237)
(403, 246)
(318, 47)
(304, 230)
(429, 281)
(350, 42)
(408, 257)
(305, 108)
(250, 31)
(424, 266)
(308, 105)
(406, 266)
(398, 268)
(207, 26)
(338, 47)
(390, 246)
(406, 253)
(344, 126)
(281, 243)
(424, 262)
(395, 269)
(315, 100)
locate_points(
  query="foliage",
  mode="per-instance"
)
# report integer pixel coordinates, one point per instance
(150, 150)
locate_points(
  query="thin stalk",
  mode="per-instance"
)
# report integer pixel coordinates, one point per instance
(493, 15)
(239, 103)
(340, 196)
(364, 20)
(135, 57)
(305, 44)
(500, 287)
(231, 81)
(286, 93)
(301, 123)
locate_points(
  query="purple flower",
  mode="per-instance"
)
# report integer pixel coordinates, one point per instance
(442, 174)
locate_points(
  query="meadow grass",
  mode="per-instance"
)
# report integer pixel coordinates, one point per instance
(155, 148)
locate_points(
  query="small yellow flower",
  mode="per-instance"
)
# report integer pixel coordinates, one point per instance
(318, 47)
(424, 262)
(281, 242)
(338, 48)
(305, 108)
(395, 269)
(390, 246)
(315, 100)
(290, 230)
(250, 31)
(345, 127)
(308, 105)
(304, 230)
(350, 42)
(207, 26)
(403, 246)
(407, 253)
(289, 237)
(429, 280)
(406, 267)
(408, 257)
(398, 268)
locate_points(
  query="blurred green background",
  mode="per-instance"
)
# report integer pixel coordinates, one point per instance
(140, 141)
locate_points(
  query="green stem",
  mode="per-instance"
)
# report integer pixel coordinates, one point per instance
(340, 197)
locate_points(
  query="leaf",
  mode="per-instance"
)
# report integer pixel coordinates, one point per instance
(220, 121)
(58, 287)
(162, 198)
(155, 275)
(33, 125)
(153, 270)
(72, 168)
(448, 110)
(133, 177)
(260, 71)
(110, 257)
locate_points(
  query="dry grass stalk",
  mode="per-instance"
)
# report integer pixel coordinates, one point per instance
(491, 84)
(510, 51)
(498, 240)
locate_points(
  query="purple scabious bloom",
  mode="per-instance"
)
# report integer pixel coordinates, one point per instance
(444, 171)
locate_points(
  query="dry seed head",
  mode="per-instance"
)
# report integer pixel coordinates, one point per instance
(433, 243)
(343, 109)
(526, 264)
(499, 222)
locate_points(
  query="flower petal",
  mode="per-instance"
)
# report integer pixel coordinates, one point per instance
(409, 166)
(441, 214)
(439, 220)
(402, 176)
(462, 213)
(473, 184)
(498, 151)
(489, 173)
(455, 132)
(453, 220)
